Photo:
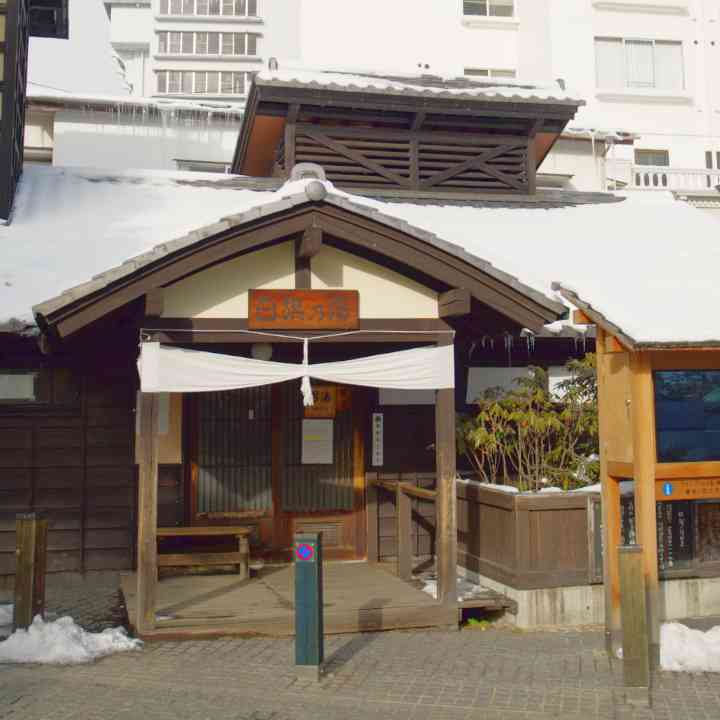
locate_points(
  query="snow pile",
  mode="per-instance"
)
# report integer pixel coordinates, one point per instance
(493, 486)
(551, 490)
(627, 487)
(63, 642)
(683, 649)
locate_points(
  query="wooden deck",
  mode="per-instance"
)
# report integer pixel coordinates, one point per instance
(358, 597)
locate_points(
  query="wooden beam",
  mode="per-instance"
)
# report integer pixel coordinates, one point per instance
(613, 345)
(531, 167)
(373, 550)
(644, 460)
(154, 302)
(610, 488)
(580, 318)
(147, 512)
(446, 504)
(310, 243)
(289, 139)
(454, 303)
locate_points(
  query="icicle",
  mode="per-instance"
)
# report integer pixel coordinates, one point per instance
(530, 341)
(473, 345)
(305, 387)
(508, 342)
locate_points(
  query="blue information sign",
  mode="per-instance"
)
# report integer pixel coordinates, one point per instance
(667, 489)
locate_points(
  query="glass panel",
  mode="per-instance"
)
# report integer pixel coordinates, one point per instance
(252, 8)
(252, 45)
(175, 40)
(188, 7)
(609, 65)
(501, 8)
(240, 7)
(174, 81)
(201, 43)
(502, 73)
(162, 82)
(176, 7)
(213, 85)
(187, 43)
(201, 7)
(227, 44)
(239, 83)
(475, 7)
(162, 42)
(477, 72)
(687, 415)
(708, 531)
(669, 71)
(656, 158)
(187, 82)
(214, 7)
(226, 80)
(18, 387)
(639, 55)
(708, 160)
(200, 82)
(164, 5)
(228, 7)
(213, 43)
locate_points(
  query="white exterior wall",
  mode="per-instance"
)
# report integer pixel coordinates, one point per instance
(547, 40)
(133, 28)
(129, 141)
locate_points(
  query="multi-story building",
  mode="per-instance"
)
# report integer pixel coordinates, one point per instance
(646, 67)
(201, 48)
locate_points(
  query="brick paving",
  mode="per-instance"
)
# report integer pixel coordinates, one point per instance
(433, 675)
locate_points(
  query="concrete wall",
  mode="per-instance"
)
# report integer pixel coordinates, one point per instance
(585, 604)
(128, 140)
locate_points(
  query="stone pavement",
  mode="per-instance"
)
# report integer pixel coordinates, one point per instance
(431, 675)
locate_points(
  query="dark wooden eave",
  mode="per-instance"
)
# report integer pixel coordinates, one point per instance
(429, 264)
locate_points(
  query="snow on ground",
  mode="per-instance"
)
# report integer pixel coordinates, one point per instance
(466, 590)
(63, 642)
(6, 620)
(683, 649)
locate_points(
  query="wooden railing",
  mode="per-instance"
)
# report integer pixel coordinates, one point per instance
(645, 177)
(403, 493)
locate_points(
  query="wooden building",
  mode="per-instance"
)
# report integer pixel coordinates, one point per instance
(442, 176)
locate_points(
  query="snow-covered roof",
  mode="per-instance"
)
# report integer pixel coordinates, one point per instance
(38, 94)
(85, 62)
(421, 86)
(647, 265)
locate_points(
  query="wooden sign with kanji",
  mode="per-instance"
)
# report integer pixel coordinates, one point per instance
(304, 310)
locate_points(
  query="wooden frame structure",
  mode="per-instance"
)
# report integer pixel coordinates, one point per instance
(628, 451)
(400, 144)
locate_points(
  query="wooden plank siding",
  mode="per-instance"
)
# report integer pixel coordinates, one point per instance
(76, 465)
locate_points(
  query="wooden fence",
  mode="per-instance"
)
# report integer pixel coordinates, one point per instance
(525, 541)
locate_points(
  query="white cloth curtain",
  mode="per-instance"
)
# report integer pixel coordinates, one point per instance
(164, 369)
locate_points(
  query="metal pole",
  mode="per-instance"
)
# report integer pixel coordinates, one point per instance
(309, 641)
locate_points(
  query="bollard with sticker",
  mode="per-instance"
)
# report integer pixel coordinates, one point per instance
(309, 643)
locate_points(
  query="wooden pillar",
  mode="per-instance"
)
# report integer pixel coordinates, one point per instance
(373, 549)
(644, 460)
(31, 551)
(403, 513)
(610, 508)
(446, 504)
(147, 513)
(636, 669)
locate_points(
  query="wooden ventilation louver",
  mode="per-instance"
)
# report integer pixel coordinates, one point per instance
(403, 159)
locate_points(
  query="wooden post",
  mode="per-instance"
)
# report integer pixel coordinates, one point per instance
(446, 505)
(403, 511)
(31, 552)
(636, 665)
(610, 508)
(644, 460)
(147, 513)
(373, 549)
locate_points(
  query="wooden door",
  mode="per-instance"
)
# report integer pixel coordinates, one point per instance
(246, 467)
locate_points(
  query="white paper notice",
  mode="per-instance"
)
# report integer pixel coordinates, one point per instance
(317, 442)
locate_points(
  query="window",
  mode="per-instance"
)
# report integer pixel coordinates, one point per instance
(173, 85)
(489, 8)
(687, 415)
(251, 44)
(198, 82)
(201, 82)
(655, 64)
(187, 43)
(227, 44)
(201, 43)
(656, 158)
(175, 42)
(42, 386)
(709, 160)
(489, 73)
(226, 83)
(229, 8)
(162, 42)
(187, 82)
(162, 82)
(213, 43)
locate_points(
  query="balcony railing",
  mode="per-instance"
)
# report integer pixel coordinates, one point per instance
(645, 177)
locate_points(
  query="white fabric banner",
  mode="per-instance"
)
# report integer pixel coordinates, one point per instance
(165, 369)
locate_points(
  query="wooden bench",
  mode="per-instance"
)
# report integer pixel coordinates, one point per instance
(239, 557)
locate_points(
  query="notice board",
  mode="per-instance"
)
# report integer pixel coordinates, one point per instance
(317, 441)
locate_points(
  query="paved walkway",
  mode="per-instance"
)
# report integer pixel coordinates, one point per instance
(497, 673)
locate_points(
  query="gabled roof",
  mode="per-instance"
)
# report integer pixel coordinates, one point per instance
(647, 265)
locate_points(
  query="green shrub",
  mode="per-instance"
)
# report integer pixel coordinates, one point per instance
(532, 439)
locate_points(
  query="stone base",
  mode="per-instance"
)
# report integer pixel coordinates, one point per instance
(309, 673)
(585, 604)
